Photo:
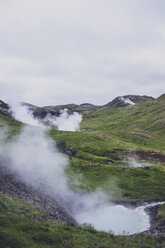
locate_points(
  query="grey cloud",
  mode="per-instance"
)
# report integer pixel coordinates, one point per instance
(54, 52)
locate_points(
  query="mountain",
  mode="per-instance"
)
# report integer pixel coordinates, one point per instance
(122, 101)
(86, 108)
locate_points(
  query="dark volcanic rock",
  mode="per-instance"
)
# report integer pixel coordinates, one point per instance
(70, 151)
(157, 224)
(4, 108)
(61, 145)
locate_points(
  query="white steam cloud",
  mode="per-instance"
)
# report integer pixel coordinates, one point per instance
(36, 161)
(64, 122)
(134, 163)
(23, 114)
(127, 101)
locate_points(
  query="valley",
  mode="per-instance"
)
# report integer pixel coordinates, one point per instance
(112, 139)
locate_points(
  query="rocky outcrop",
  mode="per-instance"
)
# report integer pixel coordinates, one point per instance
(4, 108)
(157, 224)
(70, 151)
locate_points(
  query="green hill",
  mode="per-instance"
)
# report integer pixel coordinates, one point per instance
(109, 138)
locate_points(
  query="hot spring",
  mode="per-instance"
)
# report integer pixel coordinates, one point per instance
(116, 218)
(135, 163)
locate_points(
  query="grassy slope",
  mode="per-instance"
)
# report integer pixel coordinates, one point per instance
(10, 126)
(139, 127)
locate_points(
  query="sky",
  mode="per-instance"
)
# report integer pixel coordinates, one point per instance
(59, 51)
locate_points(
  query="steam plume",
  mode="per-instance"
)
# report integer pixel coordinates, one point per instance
(64, 122)
(127, 101)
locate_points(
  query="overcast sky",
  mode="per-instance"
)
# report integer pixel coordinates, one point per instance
(64, 51)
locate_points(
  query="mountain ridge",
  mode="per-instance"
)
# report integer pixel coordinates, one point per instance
(85, 108)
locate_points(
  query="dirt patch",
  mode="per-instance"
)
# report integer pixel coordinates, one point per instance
(147, 155)
(140, 155)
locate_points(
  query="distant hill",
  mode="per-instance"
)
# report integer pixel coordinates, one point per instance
(41, 112)
(145, 117)
(122, 101)
(86, 108)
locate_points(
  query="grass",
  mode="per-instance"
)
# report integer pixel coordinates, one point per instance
(118, 182)
(9, 126)
(161, 211)
(26, 231)
(142, 125)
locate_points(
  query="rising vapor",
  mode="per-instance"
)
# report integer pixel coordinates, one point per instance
(66, 121)
(63, 122)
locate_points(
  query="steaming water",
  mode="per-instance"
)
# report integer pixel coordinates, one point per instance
(116, 218)
(134, 163)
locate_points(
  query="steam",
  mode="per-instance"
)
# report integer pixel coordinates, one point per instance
(64, 122)
(37, 162)
(25, 115)
(134, 163)
(127, 101)
(116, 218)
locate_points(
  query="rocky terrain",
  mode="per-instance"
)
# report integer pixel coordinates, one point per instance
(11, 184)
(4, 108)
(157, 223)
